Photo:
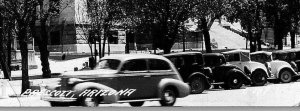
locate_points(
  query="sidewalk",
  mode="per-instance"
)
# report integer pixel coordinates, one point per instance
(57, 67)
(35, 75)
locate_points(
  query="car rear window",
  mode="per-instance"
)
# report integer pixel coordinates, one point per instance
(157, 64)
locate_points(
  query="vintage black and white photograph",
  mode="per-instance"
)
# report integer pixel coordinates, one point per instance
(149, 53)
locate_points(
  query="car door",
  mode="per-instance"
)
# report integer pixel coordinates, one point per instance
(134, 76)
(234, 59)
(158, 70)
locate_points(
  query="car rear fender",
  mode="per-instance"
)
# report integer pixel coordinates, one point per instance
(182, 89)
(201, 75)
(109, 97)
(283, 68)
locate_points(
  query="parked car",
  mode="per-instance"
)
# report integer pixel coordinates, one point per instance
(241, 58)
(291, 56)
(190, 66)
(228, 75)
(124, 78)
(278, 70)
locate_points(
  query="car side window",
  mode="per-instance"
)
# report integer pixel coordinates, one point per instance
(157, 64)
(233, 57)
(135, 65)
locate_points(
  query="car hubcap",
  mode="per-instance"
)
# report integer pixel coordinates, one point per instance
(286, 76)
(169, 97)
(196, 85)
(91, 102)
(235, 81)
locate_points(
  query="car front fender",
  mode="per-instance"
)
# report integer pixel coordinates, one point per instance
(246, 78)
(182, 89)
(108, 98)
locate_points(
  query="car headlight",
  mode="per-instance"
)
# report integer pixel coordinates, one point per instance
(268, 66)
(74, 80)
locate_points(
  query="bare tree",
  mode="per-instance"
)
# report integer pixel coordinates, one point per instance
(22, 12)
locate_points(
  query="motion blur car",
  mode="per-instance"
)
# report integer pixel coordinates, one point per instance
(123, 78)
(227, 75)
(190, 66)
(278, 70)
(291, 56)
(241, 58)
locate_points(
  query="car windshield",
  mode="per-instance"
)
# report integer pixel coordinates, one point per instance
(112, 64)
(261, 58)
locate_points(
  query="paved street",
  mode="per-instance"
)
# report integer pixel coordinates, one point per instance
(269, 95)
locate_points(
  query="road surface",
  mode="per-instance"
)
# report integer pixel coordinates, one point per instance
(270, 95)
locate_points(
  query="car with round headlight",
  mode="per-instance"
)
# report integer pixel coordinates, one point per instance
(241, 58)
(224, 74)
(121, 78)
(279, 71)
(292, 56)
(190, 66)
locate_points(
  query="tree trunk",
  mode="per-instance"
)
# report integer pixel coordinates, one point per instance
(293, 36)
(3, 60)
(250, 37)
(44, 53)
(4, 66)
(9, 50)
(24, 54)
(104, 40)
(206, 35)
(258, 37)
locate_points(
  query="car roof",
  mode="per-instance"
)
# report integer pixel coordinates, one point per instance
(287, 50)
(212, 54)
(124, 57)
(264, 52)
(236, 51)
(182, 53)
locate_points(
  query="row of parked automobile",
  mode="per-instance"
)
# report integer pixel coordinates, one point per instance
(136, 78)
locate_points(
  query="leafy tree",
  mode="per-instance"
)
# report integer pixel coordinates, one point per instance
(248, 13)
(278, 16)
(294, 14)
(44, 11)
(22, 12)
(6, 32)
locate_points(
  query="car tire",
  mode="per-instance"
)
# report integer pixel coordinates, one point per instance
(88, 101)
(234, 81)
(59, 104)
(258, 78)
(136, 104)
(197, 85)
(285, 76)
(168, 97)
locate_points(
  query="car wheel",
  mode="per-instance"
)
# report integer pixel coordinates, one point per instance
(168, 97)
(234, 81)
(197, 85)
(89, 101)
(258, 78)
(136, 104)
(285, 76)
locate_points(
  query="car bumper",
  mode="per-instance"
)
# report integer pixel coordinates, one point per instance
(58, 99)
